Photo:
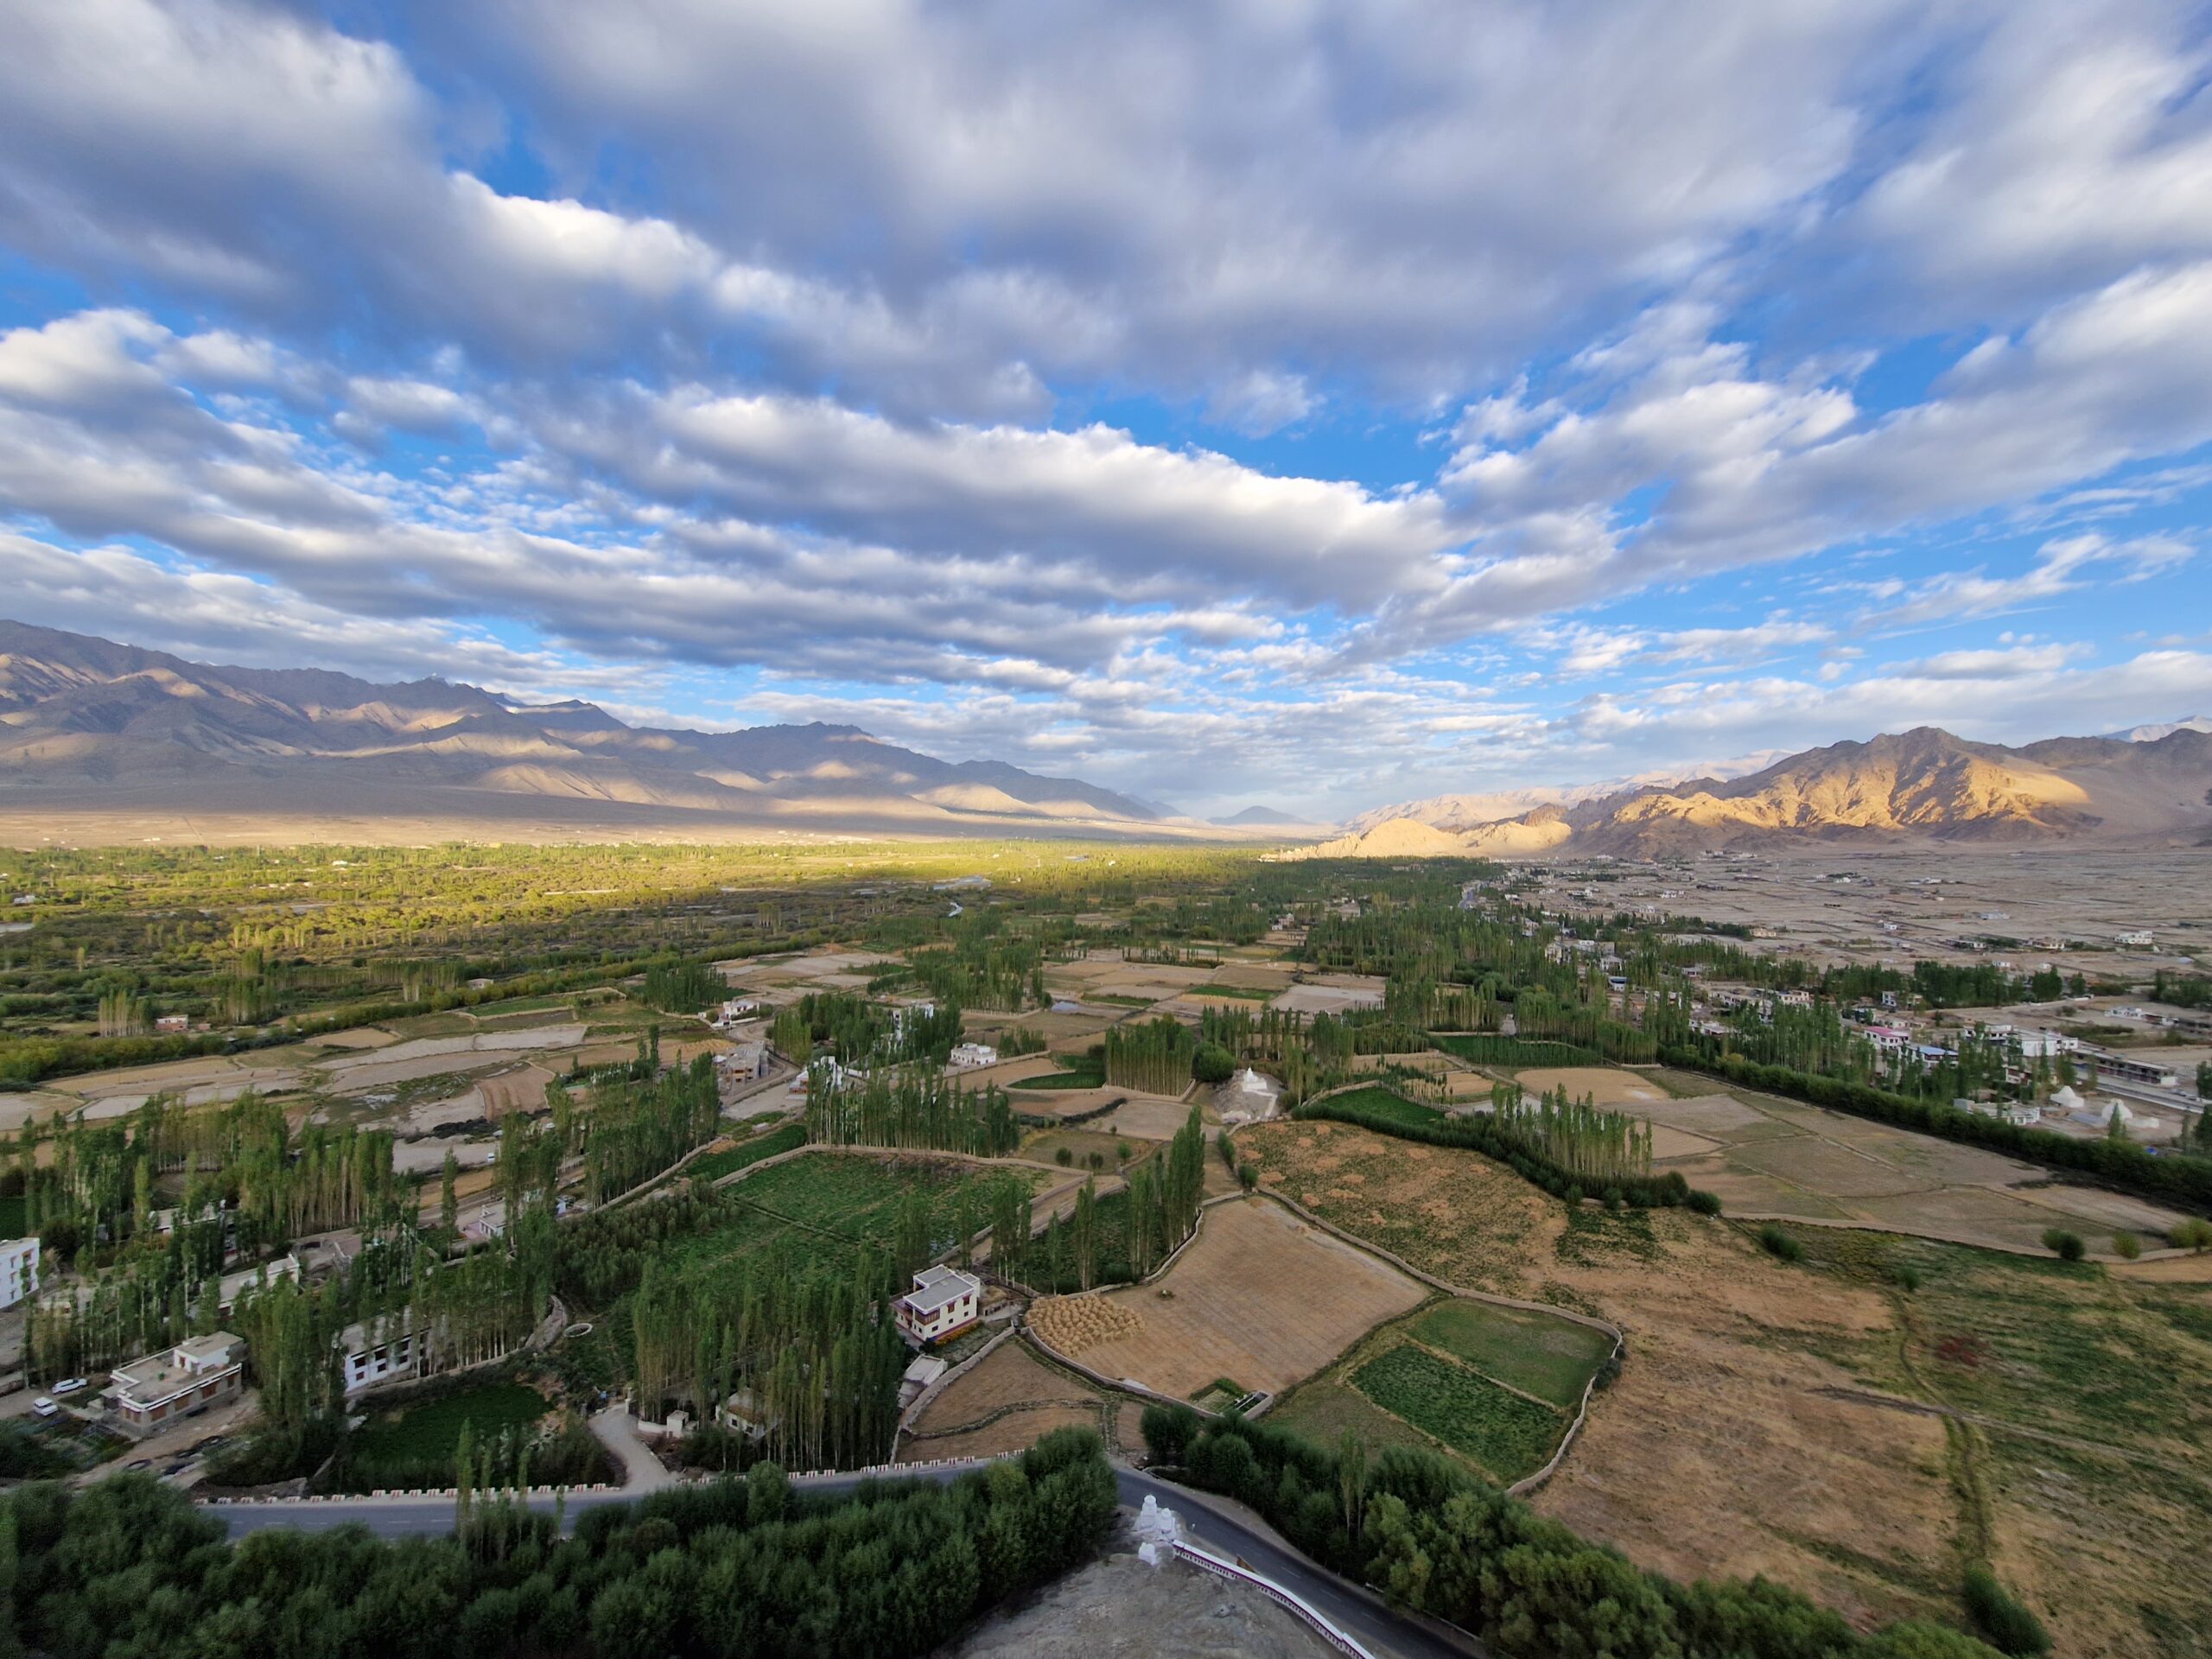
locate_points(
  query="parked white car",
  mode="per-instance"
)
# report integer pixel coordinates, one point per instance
(68, 1385)
(44, 1407)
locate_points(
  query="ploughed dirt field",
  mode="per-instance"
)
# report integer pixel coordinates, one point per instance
(1608, 1085)
(1261, 1298)
(1823, 1423)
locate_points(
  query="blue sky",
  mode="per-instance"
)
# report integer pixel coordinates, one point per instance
(1313, 405)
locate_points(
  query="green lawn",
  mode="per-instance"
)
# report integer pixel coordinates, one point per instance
(1551, 1358)
(1507, 1434)
(432, 1430)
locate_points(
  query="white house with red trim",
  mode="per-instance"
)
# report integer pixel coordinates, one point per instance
(943, 1302)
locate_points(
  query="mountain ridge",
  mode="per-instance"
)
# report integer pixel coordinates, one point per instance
(83, 718)
(1922, 784)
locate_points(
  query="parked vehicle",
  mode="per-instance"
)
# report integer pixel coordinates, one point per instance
(68, 1385)
(44, 1407)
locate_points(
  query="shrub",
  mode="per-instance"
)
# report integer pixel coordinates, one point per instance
(1612, 1199)
(1704, 1202)
(1780, 1245)
(2004, 1623)
(2194, 1234)
(2126, 1246)
(1905, 1277)
(2067, 1247)
(1064, 1157)
(1213, 1064)
(1248, 1176)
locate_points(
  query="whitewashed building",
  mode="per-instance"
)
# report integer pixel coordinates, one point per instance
(18, 1270)
(943, 1302)
(966, 1056)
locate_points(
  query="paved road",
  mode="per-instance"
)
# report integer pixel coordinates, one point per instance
(1224, 1533)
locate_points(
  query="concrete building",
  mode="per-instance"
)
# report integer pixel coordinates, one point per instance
(232, 1286)
(943, 1302)
(18, 1270)
(920, 1376)
(968, 1056)
(149, 1393)
(377, 1350)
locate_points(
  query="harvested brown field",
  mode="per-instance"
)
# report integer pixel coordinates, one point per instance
(1261, 1297)
(1016, 1431)
(1074, 1325)
(1010, 1380)
(1712, 1454)
(1608, 1085)
(1413, 1200)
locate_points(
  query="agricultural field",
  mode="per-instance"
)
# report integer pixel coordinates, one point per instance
(834, 1199)
(1764, 1156)
(1424, 1203)
(1002, 1404)
(1506, 1434)
(1260, 1296)
(1540, 1354)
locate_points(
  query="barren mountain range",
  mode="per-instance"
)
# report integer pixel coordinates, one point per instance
(1921, 785)
(91, 728)
(114, 741)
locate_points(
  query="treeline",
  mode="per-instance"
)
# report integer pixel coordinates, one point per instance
(1154, 1056)
(1125, 1234)
(1435, 1539)
(854, 1031)
(2167, 1176)
(734, 1569)
(247, 1176)
(684, 985)
(1527, 1154)
(635, 1129)
(914, 1107)
(1596, 1147)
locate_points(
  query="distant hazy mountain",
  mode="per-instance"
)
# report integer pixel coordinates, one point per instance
(87, 725)
(2152, 733)
(1923, 784)
(1264, 818)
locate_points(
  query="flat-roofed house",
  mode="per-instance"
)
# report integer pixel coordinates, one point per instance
(149, 1393)
(943, 1302)
(18, 1270)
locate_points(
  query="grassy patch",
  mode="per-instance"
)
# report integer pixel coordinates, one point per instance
(1077, 1073)
(431, 1431)
(1241, 993)
(1595, 1237)
(1551, 1358)
(1507, 1434)
(716, 1164)
(1323, 1409)
(1386, 1104)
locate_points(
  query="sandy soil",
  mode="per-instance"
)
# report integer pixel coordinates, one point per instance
(1011, 1376)
(1260, 1298)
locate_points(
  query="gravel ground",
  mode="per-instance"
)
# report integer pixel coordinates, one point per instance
(1119, 1606)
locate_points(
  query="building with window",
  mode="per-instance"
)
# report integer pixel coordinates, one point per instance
(943, 1302)
(149, 1393)
(18, 1270)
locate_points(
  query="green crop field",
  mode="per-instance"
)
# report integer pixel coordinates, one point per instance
(1508, 1435)
(1385, 1104)
(811, 1203)
(1552, 1359)
(1080, 1073)
(716, 1165)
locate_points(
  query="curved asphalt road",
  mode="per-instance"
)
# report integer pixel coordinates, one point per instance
(1362, 1615)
